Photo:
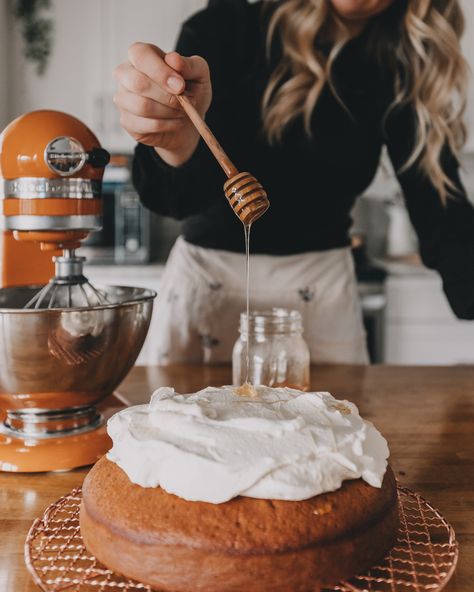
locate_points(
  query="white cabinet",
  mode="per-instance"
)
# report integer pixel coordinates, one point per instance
(420, 326)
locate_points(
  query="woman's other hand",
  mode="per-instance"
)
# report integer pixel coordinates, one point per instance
(146, 99)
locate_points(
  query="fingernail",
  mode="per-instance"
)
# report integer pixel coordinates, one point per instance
(174, 83)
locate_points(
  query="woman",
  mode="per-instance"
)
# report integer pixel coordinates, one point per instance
(305, 93)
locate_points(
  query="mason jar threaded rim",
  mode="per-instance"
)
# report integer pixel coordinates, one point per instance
(272, 321)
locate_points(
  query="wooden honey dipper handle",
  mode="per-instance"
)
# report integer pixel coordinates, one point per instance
(227, 165)
(245, 194)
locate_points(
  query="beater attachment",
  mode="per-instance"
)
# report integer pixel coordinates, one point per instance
(69, 288)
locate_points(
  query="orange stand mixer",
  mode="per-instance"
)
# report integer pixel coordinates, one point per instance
(65, 345)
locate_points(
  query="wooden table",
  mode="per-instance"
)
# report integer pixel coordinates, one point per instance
(426, 414)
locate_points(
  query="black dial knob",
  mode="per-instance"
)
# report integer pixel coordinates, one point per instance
(98, 158)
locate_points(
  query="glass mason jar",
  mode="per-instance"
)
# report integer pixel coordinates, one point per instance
(278, 355)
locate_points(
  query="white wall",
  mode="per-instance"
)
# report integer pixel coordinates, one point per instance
(65, 81)
(4, 57)
(127, 21)
(468, 47)
(91, 38)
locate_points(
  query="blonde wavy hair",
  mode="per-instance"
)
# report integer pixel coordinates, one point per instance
(418, 39)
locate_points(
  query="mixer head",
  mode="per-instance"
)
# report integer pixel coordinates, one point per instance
(56, 364)
(52, 167)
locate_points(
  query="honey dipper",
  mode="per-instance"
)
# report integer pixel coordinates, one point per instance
(246, 195)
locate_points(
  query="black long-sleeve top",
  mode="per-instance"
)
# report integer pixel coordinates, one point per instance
(312, 182)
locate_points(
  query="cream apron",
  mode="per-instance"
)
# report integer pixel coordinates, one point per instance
(202, 293)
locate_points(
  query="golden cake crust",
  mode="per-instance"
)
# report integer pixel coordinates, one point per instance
(245, 543)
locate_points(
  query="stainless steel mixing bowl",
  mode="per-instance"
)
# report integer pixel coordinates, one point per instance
(68, 358)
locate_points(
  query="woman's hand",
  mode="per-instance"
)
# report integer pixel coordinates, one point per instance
(146, 99)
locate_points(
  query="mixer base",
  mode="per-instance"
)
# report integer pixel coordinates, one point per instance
(63, 453)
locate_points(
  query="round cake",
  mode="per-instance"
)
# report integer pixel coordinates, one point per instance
(284, 492)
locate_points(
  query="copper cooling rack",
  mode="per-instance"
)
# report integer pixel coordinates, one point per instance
(423, 559)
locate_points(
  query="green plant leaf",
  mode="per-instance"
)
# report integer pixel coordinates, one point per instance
(36, 30)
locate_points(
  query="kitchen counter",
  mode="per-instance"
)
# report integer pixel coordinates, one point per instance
(127, 273)
(426, 414)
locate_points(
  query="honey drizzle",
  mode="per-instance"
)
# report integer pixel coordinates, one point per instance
(247, 228)
(246, 389)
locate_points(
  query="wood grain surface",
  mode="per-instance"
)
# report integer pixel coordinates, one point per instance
(426, 414)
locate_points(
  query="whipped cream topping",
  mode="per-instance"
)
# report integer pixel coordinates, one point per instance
(214, 445)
